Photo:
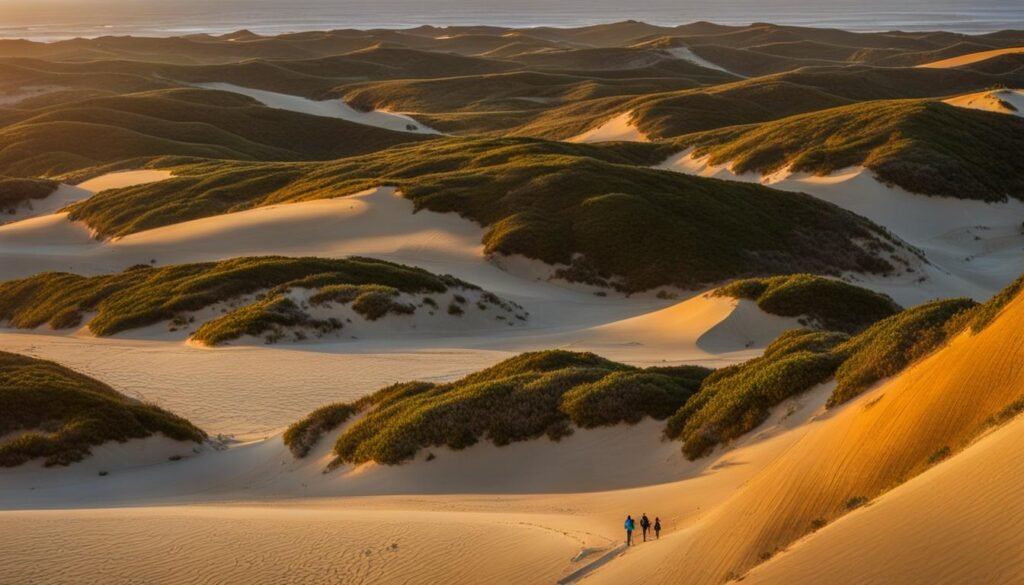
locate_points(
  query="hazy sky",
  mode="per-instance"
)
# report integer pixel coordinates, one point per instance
(56, 18)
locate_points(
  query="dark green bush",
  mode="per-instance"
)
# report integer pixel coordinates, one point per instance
(833, 304)
(58, 415)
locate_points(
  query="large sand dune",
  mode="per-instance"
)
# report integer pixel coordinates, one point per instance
(971, 58)
(865, 448)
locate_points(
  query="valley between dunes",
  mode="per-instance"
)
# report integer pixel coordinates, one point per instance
(444, 305)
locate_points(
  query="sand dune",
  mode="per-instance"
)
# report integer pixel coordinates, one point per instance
(533, 511)
(866, 447)
(329, 108)
(619, 128)
(948, 526)
(1003, 101)
(971, 58)
(122, 179)
(974, 248)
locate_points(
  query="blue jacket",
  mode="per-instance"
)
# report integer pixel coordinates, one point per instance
(630, 525)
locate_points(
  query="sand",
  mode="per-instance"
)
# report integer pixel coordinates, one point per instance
(686, 54)
(1002, 101)
(971, 58)
(974, 248)
(617, 129)
(329, 108)
(863, 449)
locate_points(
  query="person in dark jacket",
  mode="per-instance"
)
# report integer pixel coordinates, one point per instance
(645, 525)
(657, 528)
(630, 526)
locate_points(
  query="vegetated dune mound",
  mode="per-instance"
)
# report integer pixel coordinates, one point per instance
(587, 208)
(827, 303)
(618, 129)
(894, 432)
(525, 397)
(925, 147)
(268, 297)
(52, 413)
(187, 122)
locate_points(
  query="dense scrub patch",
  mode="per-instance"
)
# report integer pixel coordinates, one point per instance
(16, 192)
(589, 207)
(143, 295)
(69, 137)
(735, 400)
(926, 147)
(50, 412)
(830, 304)
(891, 345)
(525, 397)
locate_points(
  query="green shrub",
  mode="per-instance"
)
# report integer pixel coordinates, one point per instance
(630, 396)
(56, 414)
(588, 206)
(892, 344)
(833, 304)
(142, 296)
(530, 395)
(735, 402)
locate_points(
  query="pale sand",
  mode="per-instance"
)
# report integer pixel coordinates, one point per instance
(971, 58)
(63, 195)
(122, 179)
(686, 54)
(863, 449)
(974, 248)
(284, 382)
(992, 101)
(17, 95)
(504, 506)
(328, 108)
(618, 128)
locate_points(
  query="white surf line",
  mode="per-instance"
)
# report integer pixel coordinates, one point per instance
(591, 567)
(686, 54)
(327, 108)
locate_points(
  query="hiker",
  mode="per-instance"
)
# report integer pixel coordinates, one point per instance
(645, 524)
(657, 528)
(630, 525)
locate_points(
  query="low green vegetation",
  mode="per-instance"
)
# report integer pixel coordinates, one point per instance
(926, 147)
(588, 207)
(144, 295)
(128, 130)
(16, 192)
(525, 397)
(891, 345)
(50, 412)
(735, 400)
(830, 304)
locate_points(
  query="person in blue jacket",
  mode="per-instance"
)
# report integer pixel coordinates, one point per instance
(630, 526)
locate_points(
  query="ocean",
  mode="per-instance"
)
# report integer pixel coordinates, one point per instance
(48, 20)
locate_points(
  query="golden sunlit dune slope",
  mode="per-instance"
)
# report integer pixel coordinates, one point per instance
(851, 456)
